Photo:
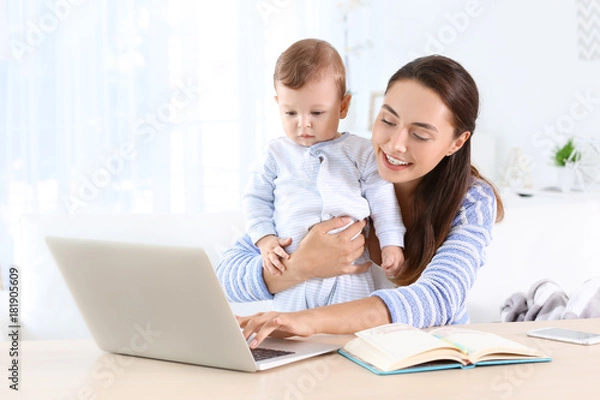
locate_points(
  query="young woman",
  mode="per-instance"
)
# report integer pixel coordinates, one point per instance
(421, 139)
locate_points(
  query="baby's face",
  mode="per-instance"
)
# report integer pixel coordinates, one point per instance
(311, 114)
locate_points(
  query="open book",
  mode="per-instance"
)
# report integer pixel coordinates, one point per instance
(399, 348)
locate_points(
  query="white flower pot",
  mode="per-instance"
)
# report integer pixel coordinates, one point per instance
(565, 177)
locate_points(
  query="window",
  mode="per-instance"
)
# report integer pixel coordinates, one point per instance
(148, 106)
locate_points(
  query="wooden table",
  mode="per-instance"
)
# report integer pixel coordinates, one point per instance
(79, 370)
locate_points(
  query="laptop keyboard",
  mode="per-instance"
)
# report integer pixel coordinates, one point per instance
(265, 353)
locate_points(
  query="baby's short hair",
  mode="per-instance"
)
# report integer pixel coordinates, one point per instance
(308, 60)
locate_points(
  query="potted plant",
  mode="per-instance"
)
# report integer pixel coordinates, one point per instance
(563, 158)
(566, 154)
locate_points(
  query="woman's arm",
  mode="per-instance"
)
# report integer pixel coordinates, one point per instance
(240, 272)
(319, 255)
(343, 318)
(438, 296)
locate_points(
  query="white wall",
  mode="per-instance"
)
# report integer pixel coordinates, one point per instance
(524, 56)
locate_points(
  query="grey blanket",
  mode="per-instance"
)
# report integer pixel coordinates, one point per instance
(546, 300)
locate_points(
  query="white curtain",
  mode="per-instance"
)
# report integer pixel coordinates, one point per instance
(146, 106)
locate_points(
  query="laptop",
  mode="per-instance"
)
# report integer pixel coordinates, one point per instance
(163, 302)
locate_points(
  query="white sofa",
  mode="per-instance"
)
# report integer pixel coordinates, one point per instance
(541, 237)
(48, 310)
(552, 236)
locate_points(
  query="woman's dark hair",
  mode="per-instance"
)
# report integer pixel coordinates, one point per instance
(441, 192)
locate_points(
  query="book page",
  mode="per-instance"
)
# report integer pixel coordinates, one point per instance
(399, 341)
(476, 344)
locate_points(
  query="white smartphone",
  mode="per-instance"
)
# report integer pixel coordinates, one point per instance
(565, 335)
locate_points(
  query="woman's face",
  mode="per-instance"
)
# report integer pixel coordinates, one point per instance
(412, 134)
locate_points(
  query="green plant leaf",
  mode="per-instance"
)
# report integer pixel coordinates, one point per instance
(565, 154)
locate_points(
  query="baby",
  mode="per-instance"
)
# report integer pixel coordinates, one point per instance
(315, 173)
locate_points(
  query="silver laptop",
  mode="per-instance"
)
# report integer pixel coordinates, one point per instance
(163, 302)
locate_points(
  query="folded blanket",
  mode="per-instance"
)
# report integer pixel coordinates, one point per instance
(514, 308)
(545, 300)
(585, 301)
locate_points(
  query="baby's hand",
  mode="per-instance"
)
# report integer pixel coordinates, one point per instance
(392, 259)
(271, 249)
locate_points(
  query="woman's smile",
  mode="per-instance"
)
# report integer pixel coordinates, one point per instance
(396, 162)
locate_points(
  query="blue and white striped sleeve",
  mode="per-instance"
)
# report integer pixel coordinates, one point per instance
(240, 272)
(258, 200)
(438, 296)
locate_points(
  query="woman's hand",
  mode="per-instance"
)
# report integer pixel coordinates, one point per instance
(275, 324)
(342, 318)
(322, 254)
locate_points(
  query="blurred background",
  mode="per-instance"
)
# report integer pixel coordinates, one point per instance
(160, 106)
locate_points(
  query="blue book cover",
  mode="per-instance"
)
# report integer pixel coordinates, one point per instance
(399, 349)
(439, 365)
